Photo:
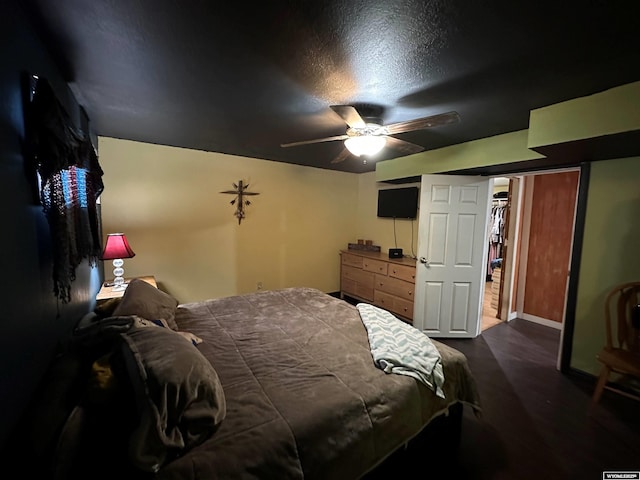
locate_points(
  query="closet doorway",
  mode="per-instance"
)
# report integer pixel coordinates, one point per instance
(498, 227)
(536, 250)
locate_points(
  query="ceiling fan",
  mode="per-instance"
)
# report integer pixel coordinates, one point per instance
(367, 135)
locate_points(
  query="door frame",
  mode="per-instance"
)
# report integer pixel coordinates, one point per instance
(567, 327)
(566, 336)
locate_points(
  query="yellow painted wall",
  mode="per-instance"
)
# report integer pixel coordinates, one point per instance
(381, 230)
(167, 201)
(610, 253)
(500, 184)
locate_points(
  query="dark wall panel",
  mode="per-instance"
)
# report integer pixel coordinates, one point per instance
(32, 323)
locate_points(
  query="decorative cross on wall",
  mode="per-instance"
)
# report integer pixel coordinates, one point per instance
(240, 201)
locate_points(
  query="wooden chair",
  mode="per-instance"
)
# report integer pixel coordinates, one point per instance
(623, 355)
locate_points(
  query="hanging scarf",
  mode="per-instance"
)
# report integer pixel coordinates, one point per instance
(71, 181)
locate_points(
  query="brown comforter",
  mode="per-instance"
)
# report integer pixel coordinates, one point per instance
(304, 399)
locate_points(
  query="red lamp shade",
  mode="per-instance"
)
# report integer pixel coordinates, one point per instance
(117, 247)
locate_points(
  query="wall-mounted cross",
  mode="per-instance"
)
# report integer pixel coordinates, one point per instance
(240, 191)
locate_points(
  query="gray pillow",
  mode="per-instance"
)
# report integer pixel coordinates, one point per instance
(179, 396)
(146, 301)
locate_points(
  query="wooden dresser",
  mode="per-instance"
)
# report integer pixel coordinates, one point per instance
(375, 278)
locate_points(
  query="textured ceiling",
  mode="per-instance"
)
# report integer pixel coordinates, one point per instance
(242, 79)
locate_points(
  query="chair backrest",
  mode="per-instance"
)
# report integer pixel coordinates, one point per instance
(619, 308)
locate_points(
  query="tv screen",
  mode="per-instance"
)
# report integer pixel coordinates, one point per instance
(398, 202)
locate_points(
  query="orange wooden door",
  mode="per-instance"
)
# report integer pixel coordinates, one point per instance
(550, 242)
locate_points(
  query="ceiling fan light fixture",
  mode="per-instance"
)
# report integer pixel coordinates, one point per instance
(365, 144)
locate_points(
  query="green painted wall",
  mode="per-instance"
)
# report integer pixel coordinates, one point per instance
(507, 148)
(610, 254)
(605, 113)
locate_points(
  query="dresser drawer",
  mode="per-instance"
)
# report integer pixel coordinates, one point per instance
(403, 307)
(395, 305)
(383, 300)
(375, 266)
(364, 292)
(352, 260)
(359, 276)
(359, 290)
(403, 272)
(348, 285)
(395, 286)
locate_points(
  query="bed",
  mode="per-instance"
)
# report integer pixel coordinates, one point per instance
(274, 384)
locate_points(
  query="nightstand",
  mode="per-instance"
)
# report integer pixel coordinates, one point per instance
(106, 293)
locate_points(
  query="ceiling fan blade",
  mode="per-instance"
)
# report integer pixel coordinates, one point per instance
(317, 140)
(350, 115)
(403, 146)
(426, 122)
(342, 156)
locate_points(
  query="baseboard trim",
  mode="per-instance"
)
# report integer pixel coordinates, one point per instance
(541, 321)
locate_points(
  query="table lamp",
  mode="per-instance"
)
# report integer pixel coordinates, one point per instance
(116, 248)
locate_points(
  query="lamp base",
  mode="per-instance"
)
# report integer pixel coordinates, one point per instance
(119, 288)
(116, 286)
(111, 284)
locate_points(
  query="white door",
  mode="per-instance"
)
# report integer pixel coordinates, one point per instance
(452, 252)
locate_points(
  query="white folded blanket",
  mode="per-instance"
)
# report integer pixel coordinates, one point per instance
(398, 347)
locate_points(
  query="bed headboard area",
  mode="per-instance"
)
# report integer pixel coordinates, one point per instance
(34, 319)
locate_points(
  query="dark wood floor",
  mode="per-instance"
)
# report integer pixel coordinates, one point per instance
(536, 421)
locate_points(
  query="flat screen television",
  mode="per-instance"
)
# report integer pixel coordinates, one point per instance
(398, 202)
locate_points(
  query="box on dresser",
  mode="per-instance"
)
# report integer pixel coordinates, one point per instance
(375, 278)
